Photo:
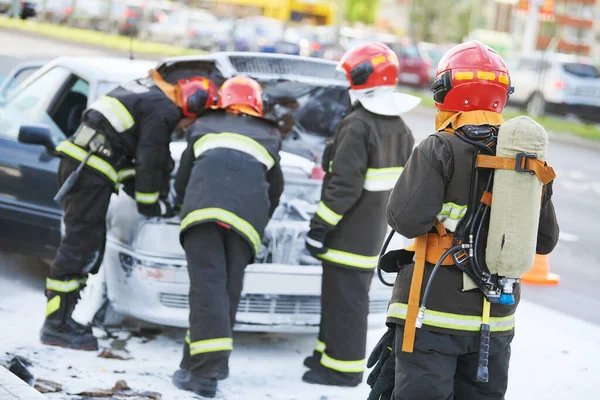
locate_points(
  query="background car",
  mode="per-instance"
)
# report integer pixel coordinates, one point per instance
(431, 54)
(414, 70)
(556, 83)
(183, 27)
(261, 34)
(28, 8)
(144, 269)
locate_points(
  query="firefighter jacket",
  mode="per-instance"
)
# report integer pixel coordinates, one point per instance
(436, 184)
(362, 164)
(230, 173)
(137, 120)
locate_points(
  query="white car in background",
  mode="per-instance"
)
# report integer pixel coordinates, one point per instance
(555, 83)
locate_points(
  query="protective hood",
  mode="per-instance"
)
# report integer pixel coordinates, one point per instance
(384, 100)
(444, 119)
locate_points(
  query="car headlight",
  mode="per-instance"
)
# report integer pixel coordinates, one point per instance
(151, 270)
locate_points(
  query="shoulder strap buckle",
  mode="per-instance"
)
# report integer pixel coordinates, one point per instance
(522, 162)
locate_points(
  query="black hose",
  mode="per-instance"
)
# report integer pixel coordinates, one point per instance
(381, 253)
(434, 271)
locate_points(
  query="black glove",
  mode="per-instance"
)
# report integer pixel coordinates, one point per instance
(315, 242)
(382, 378)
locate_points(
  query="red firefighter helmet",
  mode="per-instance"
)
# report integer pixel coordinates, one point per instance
(471, 76)
(198, 93)
(370, 65)
(242, 93)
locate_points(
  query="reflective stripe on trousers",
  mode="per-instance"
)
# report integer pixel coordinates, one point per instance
(208, 345)
(342, 366)
(62, 286)
(227, 217)
(381, 179)
(454, 321)
(328, 215)
(349, 259)
(146, 198)
(234, 141)
(320, 346)
(115, 112)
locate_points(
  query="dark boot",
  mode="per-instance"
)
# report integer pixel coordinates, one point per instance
(185, 380)
(59, 328)
(326, 376)
(313, 361)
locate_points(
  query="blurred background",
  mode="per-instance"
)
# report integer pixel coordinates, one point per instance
(552, 46)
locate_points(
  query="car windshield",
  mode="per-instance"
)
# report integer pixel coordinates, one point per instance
(581, 70)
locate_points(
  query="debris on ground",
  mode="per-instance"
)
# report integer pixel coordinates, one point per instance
(121, 390)
(18, 366)
(46, 386)
(113, 354)
(119, 344)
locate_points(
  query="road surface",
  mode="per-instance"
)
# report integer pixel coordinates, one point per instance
(554, 351)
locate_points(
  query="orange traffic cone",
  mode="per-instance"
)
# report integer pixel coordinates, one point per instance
(540, 273)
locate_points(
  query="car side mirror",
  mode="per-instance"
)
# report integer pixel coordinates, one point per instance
(37, 134)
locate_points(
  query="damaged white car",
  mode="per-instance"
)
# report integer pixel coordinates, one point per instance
(144, 274)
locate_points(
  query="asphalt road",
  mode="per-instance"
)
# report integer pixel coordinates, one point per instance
(576, 198)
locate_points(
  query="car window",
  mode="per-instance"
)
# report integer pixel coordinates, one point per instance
(69, 107)
(18, 78)
(581, 70)
(35, 98)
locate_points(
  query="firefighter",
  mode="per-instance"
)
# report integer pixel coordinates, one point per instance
(230, 181)
(132, 122)
(440, 360)
(362, 164)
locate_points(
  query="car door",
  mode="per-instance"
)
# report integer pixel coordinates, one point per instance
(30, 218)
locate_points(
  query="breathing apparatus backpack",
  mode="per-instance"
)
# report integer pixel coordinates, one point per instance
(494, 243)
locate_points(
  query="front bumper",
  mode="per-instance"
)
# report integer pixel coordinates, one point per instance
(275, 298)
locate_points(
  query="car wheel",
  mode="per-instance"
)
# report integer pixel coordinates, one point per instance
(536, 106)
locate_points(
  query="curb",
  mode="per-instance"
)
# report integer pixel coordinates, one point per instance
(13, 388)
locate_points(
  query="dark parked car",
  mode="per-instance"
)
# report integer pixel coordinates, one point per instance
(53, 97)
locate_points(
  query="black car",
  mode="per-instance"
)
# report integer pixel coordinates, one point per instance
(34, 117)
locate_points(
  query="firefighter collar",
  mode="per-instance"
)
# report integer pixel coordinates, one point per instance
(445, 119)
(173, 92)
(384, 100)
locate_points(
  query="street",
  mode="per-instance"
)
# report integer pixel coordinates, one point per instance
(558, 329)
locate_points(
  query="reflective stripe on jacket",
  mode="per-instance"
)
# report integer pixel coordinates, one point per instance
(363, 163)
(230, 173)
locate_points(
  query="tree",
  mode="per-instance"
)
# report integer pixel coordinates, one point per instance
(439, 21)
(362, 10)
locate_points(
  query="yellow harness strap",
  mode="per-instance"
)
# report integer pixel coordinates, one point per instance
(414, 296)
(542, 170)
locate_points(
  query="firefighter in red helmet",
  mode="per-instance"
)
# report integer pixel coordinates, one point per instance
(230, 181)
(433, 202)
(362, 165)
(132, 122)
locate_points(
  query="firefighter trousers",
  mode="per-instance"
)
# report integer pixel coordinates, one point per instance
(444, 367)
(216, 258)
(84, 215)
(341, 346)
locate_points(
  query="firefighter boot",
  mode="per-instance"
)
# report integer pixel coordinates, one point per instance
(59, 328)
(186, 380)
(325, 376)
(313, 361)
